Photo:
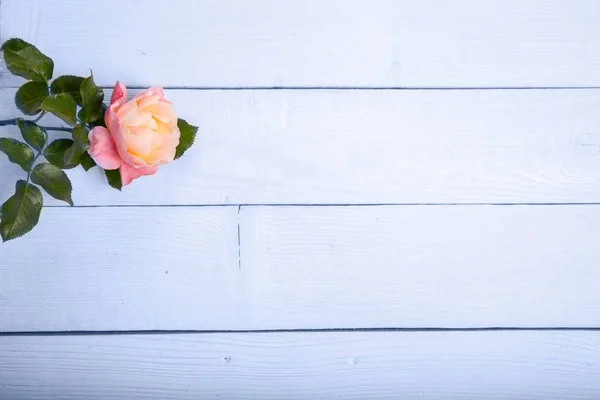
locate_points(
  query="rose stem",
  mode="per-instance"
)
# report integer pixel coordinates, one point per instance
(13, 121)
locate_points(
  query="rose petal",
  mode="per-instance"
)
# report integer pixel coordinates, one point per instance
(102, 148)
(154, 91)
(144, 130)
(141, 143)
(129, 173)
(162, 111)
(117, 100)
(119, 95)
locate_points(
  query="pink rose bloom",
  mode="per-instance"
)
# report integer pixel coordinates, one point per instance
(142, 134)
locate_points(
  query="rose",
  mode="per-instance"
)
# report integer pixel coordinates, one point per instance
(142, 134)
(139, 135)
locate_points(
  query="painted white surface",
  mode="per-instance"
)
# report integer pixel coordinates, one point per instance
(356, 365)
(194, 260)
(320, 267)
(425, 43)
(122, 269)
(365, 147)
(448, 266)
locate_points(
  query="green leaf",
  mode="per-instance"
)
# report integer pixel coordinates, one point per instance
(91, 99)
(30, 96)
(87, 162)
(68, 84)
(81, 144)
(100, 121)
(33, 134)
(54, 181)
(55, 153)
(114, 178)
(63, 106)
(186, 140)
(25, 60)
(17, 152)
(21, 212)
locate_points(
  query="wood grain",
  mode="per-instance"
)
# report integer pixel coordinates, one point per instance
(364, 147)
(448, 266)
(120, 268)
(452, 366)
(257, 228)
(172, 268)
(235, 43)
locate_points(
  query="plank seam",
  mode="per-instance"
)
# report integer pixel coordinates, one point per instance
(239, 240)
(239, 205)
(366, 88)
(300, 330)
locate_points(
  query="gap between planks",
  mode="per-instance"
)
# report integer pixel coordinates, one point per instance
(239, 239)
(240, 206)
(300, 330)
(366, 88)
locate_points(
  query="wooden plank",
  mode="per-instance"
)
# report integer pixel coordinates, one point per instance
(174, 268)
(415, 266)
(425, 43)
(120, 268)
(453, 366)
(362, 147)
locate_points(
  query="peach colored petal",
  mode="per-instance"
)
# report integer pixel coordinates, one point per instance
(133, 116)
(167, 155)
(173, 139)
(162, 111)
(151, 123)
(164, 129)
(139, 130)
(140, 144)
(129, 173)
(114, 126)
(152, 91)
(148, 101)
(102, 148)
(165, 152)
(140, 162)
(162, 155)
(144, 131)
(128, 108)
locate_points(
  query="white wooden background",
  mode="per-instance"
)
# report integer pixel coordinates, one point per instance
(391, 199)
